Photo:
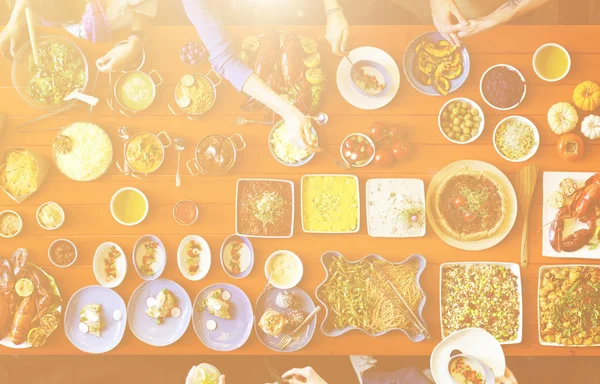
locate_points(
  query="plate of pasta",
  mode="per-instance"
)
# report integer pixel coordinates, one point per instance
(355, 298)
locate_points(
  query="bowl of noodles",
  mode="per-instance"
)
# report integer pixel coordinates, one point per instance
(354, 298)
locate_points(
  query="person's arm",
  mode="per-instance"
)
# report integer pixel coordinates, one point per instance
(219, 44)
(11, 32)
(503, 14)
(337, 30)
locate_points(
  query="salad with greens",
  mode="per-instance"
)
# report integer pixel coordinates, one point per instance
(61, 70)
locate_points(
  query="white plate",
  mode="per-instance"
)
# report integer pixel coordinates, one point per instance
(205, 258)
(98, 265)
(411, 187)
(349, 92)
(551, 184)
(302, 202)
(511, 199)
(237, 188)
(541, 271)
(473, 342)
(516, 270)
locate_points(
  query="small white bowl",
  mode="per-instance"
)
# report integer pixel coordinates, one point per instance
(511, 68)
(60, 209)
(474, 105)
(112, 201)
(67, 241)
(205, 258)
(369, 161)
(98, 265)
(535, 55)
(536, 134)
(175, 217)
(20, 224)
(299, 265)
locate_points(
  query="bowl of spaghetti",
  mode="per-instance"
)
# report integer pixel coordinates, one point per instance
(356, 295)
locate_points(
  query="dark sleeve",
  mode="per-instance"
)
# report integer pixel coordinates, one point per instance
(217, 40)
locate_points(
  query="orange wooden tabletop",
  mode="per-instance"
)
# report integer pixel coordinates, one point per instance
(89, 221)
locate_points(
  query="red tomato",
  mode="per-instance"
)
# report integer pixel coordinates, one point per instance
(459, 201)
(400, 149)
(350, 144)
(378, 130)
(369, 151)
(384, 157)
(468, 217)
(397, 131)
(570, 147)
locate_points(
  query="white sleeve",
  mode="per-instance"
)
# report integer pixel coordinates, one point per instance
(144, 7)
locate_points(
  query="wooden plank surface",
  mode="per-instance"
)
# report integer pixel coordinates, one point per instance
(89, 222)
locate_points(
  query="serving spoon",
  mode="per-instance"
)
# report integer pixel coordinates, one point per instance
(76, 94)
(179, 147)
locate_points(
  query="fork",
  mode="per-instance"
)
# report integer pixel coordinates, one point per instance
(240, 120)
(287, 339)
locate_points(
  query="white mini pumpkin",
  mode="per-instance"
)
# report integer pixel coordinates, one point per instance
(562, 118)
(590, 127)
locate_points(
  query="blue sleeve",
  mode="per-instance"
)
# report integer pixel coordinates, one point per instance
(217, 40)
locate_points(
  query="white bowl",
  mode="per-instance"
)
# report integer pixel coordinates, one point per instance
(368, 141)
(205, 258)
(162, 263)
(474, 105)
(568, 60)
(112, 201)
(20, 222)
(299, 265)
(536, 135)
(74, 247)
(62, 213)
(98, 265)
(511, 68)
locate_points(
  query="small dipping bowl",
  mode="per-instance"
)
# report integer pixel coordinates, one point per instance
(7, 212)
(187, 208)
(539, 53)
(57, 243)
(112, 202)
(293, 258)
(372, 68)
(476, 365)
(59, 208)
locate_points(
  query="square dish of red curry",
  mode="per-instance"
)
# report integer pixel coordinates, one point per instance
(264, 208)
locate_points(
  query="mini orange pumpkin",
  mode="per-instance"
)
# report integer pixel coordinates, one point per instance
(587, 96)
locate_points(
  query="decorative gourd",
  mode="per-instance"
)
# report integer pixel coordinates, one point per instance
(590, 127)
(587, 96)
(562, 118)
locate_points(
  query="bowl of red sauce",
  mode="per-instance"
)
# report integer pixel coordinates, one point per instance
(503, 87)
(185, 212)
(62, 253)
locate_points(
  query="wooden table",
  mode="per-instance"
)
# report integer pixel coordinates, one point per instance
(89, 221)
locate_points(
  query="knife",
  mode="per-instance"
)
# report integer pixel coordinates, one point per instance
(273, 373)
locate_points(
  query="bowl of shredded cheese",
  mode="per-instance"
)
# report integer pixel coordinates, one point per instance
(516, 139)
(284, 151)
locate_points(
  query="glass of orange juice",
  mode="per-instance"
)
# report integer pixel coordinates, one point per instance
(551, 62)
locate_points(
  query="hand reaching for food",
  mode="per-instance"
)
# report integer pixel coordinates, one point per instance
(222, 379)
(303, 375)
(337, 32)
(120, 56)
(299, 129)
(508, 378)
(444, 13)
(9, 39)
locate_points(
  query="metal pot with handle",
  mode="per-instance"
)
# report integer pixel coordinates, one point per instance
(215, 154)
(135, 91)
(147, 144)
(195, 94)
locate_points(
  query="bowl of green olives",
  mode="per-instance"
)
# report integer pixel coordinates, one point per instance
(461, 120)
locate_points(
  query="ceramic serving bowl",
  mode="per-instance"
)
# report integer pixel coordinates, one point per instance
(474, 105)
(280, 161)
(299, 266)
(6, 212)
(536, 54)
(329, 330)
(512, 69)
(60, 209)
(204, 262)
(99, 266)
(373, 69)
(246, 241)
(50, 253)
(112, 202)
(536, 135)
(161, 263)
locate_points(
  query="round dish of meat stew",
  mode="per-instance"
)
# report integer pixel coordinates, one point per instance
(470, 205)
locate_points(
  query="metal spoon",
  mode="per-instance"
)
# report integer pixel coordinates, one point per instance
(179, 147)
(322, 118)
(123, 135)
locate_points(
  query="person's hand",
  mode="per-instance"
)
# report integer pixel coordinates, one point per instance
(337, 32)
(120, 56)
(222, 379)
(298, 128)
(305, 375)
(9, 39)
(475, 26)
(508, 378)
(443, 13)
